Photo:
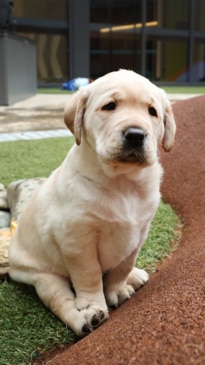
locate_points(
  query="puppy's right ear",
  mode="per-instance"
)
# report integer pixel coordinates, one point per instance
(74, 113)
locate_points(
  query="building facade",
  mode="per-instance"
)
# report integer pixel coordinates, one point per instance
(163, 40)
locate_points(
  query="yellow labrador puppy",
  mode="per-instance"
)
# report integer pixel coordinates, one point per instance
(79, 236)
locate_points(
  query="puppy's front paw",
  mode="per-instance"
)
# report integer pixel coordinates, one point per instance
(92, 318)
(137, 278)
(92, 311)
(116, 294)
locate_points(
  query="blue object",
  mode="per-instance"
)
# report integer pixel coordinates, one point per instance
(76, 84)
(69, 85)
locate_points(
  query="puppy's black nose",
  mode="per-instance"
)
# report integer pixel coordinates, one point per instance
(134, 136)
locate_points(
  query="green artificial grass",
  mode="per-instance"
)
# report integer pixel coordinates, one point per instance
(34, 158)
(184, 89)
(168, 89)
(27, 328)
(53, 90)
(162, 239)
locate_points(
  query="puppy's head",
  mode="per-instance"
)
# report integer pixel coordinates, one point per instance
(122, 116)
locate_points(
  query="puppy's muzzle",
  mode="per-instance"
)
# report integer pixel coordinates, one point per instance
(133, 145)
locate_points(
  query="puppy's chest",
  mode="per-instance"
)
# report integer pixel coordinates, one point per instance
(120, 228)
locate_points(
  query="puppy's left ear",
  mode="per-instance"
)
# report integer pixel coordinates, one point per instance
(74, 113)
(169, 125)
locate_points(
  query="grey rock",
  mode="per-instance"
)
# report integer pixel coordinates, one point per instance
(19, 192)
(3, 197)
(5, 238)
(4, 219)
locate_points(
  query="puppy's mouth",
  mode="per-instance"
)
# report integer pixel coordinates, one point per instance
(132, 156)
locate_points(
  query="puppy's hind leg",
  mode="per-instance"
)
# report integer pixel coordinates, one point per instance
(55, 292)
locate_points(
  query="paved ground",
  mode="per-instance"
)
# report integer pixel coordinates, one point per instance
(39, 114)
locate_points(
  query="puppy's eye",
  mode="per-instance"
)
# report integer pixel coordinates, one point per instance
(109, 106)
(152, 111)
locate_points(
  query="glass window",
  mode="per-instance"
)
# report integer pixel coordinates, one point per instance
(126, 49)
(51, 66)
(198, 70)
(99, 11)
(167, 53)
(160, 48)
(115, 36)
(174, 56)
(125, 12)
(175, 14)
(43, 9)
(51, 41)
(125, 34)
(199, 23)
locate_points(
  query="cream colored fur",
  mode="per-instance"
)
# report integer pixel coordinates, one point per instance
(79, 236)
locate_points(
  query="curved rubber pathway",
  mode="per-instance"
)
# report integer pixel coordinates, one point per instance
(164, 322)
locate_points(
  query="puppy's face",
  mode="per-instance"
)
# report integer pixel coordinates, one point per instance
(122, 116)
